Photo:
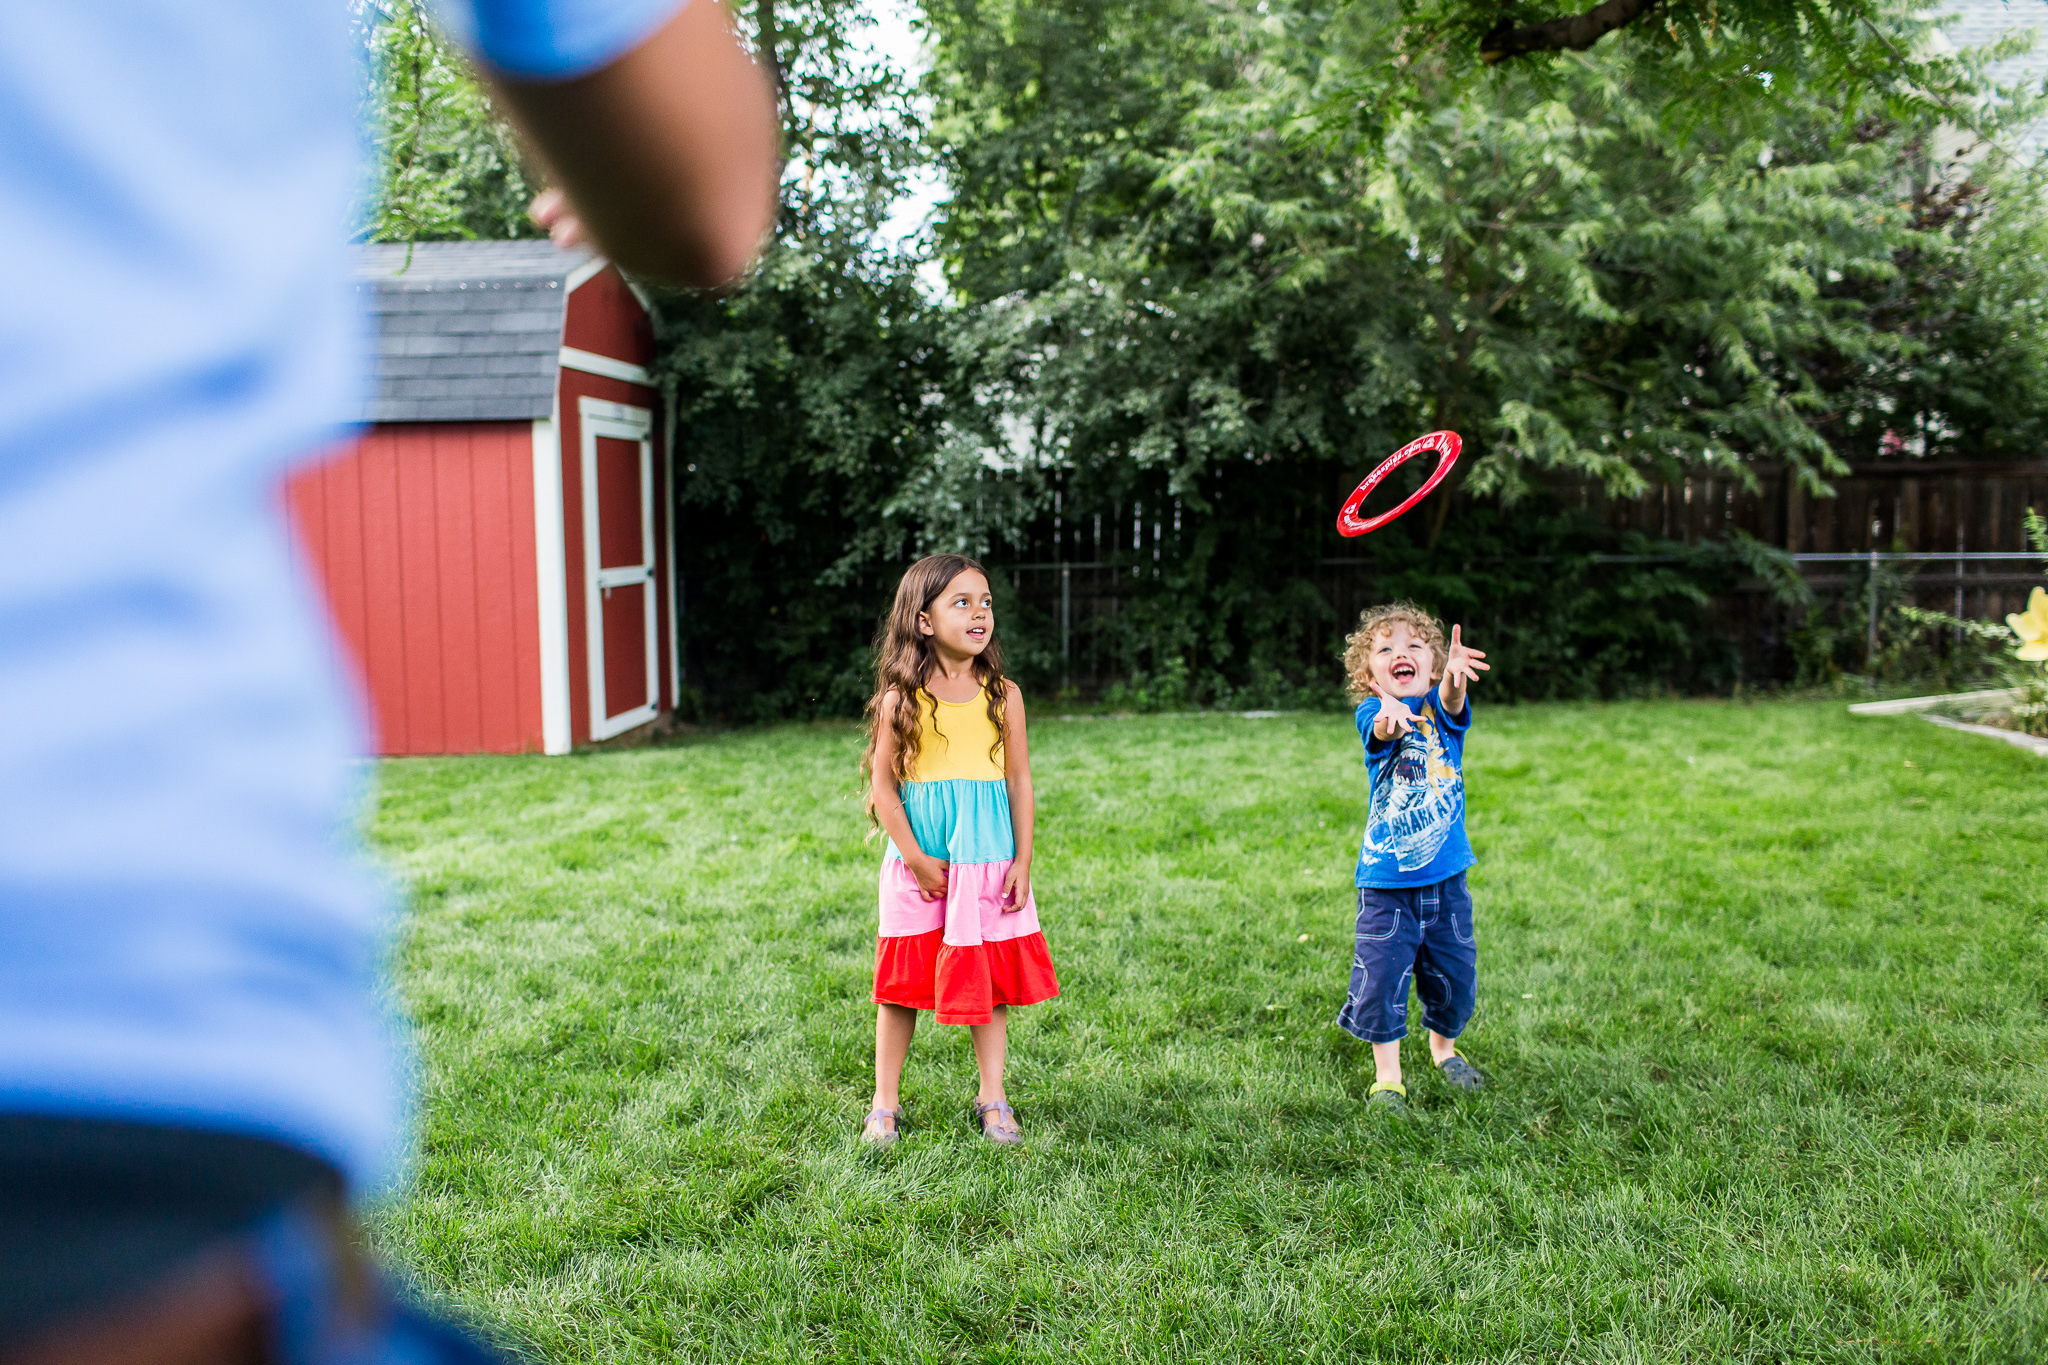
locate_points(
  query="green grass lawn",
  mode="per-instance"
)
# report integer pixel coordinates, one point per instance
(1763, 997)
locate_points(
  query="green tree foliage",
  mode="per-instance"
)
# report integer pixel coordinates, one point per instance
(800, 403)
(822, 436)
(1548, 261)
(1245, 252)
(1210, 262)
(1966, 313)
(447, 167)
(1851, 44)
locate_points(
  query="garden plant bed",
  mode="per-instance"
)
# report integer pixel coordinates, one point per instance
(1763, 1005)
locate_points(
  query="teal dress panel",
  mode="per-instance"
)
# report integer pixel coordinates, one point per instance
(960, 820)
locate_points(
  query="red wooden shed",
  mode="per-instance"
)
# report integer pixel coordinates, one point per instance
(496, 547)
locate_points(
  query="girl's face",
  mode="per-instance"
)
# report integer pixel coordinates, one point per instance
(962, 618)
(1401, 660)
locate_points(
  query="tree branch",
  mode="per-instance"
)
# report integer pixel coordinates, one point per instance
(765, 43)
(1574, 33)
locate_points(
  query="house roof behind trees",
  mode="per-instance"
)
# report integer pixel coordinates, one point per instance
(1979, 23)
(465, 331)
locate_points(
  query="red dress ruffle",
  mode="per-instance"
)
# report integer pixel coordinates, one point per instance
(962, 985)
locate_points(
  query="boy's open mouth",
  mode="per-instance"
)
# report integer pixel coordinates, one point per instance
(1402, 671)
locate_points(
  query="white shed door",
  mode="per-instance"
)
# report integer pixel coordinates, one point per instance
(618, 565)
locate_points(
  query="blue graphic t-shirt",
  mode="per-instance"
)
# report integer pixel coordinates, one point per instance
(1415, 819)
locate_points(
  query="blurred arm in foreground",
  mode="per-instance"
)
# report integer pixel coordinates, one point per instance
(197, 1069)
(668, 155)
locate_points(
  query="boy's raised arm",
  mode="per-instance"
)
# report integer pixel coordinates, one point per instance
(1461, 667)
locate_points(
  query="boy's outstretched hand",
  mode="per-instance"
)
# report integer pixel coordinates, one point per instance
(1394, 718)
(1462, 667)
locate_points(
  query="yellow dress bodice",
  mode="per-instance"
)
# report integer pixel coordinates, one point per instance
(954, 739)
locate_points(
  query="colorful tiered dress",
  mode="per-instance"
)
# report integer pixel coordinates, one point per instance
(963, 955)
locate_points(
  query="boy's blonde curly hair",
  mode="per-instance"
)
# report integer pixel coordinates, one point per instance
(1373, 622)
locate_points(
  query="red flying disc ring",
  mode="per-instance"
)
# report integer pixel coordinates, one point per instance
(1447, 444)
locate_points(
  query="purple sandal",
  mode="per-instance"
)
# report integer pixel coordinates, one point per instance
(992, 1133)
(886, 1137)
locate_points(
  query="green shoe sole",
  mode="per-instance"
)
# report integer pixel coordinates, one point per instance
(1458, 1072)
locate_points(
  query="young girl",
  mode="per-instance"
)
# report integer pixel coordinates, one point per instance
(949, 777)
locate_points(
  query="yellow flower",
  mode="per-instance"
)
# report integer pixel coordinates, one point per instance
(2031, 626)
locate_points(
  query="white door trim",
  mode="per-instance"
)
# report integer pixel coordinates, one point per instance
(550, 560)
(590, 362)
(668, 519)
(621, 422)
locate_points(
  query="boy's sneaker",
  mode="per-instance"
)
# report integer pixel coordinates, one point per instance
(1391, 1096)
(1460, 1073)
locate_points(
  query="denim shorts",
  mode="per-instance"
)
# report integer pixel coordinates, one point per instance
(1423, 933)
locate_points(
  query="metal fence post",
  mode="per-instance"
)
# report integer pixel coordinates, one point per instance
(1958, 627)
(1870, 642)
(1066, 626)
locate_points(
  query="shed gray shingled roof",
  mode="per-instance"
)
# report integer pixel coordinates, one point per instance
(465, 332)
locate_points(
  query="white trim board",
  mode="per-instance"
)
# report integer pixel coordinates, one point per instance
(2033, 744)
(621, 422)
(1899, 706)
(595, 266)
(590, 362)
(552, 572)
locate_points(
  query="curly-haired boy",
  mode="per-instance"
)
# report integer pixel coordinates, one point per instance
(1414, 913)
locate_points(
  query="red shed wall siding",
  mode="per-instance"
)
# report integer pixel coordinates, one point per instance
(576, 384)
(604, 317)
(423, 535)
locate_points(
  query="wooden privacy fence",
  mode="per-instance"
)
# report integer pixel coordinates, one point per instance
(1929, 506)
(1950, 536)
(1957, 530)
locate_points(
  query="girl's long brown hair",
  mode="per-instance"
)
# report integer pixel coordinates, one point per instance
(905, 658)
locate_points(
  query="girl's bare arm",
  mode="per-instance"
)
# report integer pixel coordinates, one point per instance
(929, 871)
(1023, 811)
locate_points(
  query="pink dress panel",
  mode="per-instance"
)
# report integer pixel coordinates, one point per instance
(971, 913)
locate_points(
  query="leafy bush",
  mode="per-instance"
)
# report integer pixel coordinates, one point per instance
(1563, 606)
(1832, 646)
(1981, 654)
